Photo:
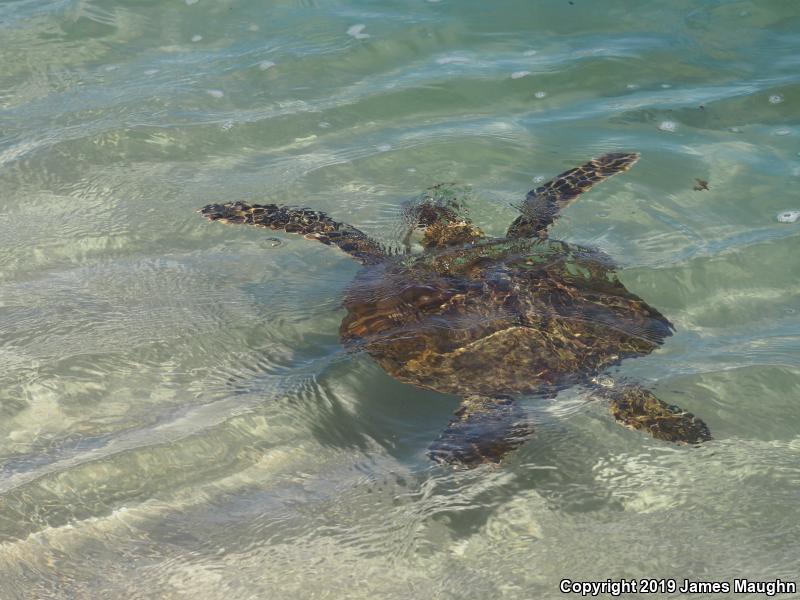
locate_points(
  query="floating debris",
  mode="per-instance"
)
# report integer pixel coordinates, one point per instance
(775, 99)
(272, 242)
(540, 95)
(701, 184)
(788, 216)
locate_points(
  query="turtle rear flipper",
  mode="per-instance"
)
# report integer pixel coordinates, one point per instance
(483, 430)
(313, 224)
(542, 205)
(638, 408)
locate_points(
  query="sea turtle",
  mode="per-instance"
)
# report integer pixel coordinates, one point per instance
(488, 319)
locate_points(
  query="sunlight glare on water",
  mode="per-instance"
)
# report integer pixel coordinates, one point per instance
(177, 416)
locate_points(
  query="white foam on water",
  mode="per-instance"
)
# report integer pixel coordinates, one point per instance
(520, 74)
(151, 71)
(356, 31)
(604, 381)
(775, 99)
(383, 147)
(530, 53)
(783, 131)
(788, 216)
(668, 126)
(253, 27)
(215, 93)
(197, 38)
(324, 124)
(452, 60)
(540, 94)
(190, 2)
(266, 64)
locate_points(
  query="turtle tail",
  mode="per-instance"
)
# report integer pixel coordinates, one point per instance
(312, 224)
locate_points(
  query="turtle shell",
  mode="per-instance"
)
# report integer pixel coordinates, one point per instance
(498, 317)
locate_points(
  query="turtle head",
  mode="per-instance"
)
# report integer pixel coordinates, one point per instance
(445, 233)
(443, 217)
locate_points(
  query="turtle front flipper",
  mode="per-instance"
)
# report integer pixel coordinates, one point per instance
(313, 224)
(542, 205)
(638, 408)
(483, 430)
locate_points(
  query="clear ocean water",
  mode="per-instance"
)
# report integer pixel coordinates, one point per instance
(177, 417)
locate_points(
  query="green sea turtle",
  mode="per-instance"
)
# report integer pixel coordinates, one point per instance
(490, 319)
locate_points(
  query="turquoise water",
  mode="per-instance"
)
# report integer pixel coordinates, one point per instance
(177, 418)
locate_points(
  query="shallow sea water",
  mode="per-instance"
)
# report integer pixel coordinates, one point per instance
(177, 418)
